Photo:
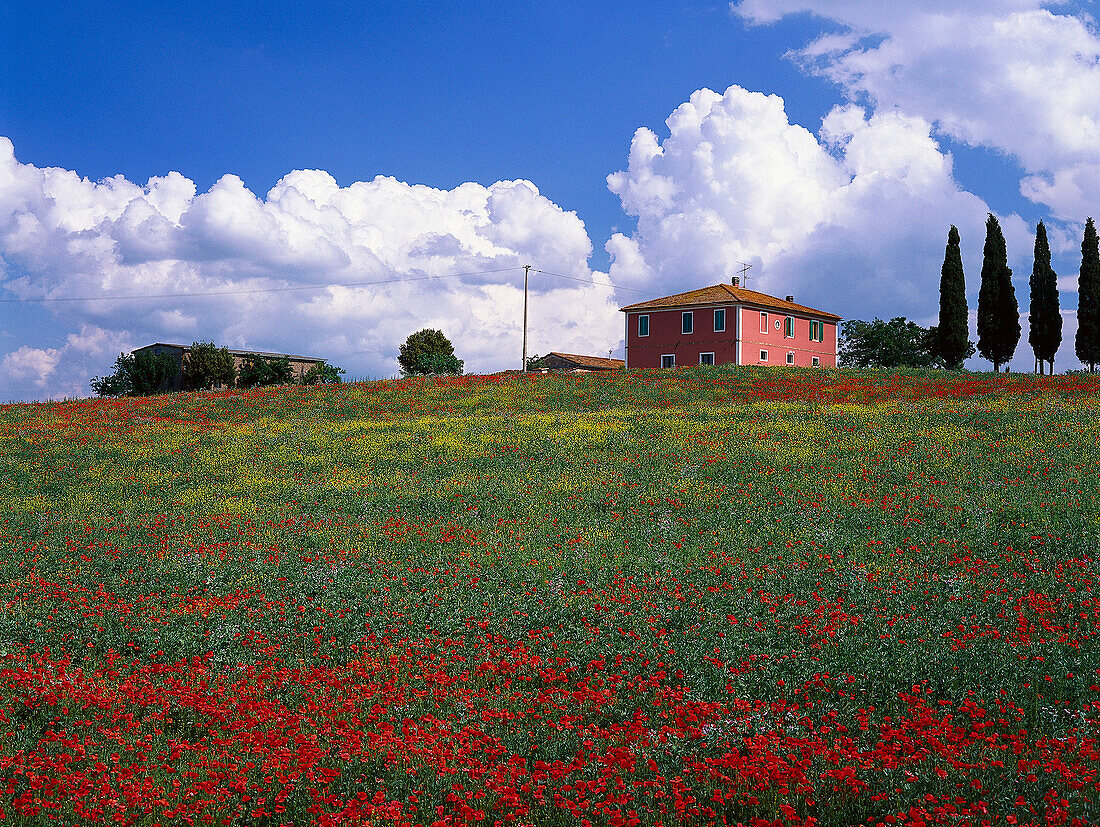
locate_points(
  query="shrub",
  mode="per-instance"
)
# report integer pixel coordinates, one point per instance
(323, 373)
(140, 374)
(208, 365)
(262, 371)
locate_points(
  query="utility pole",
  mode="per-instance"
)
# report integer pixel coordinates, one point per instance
(526, 273)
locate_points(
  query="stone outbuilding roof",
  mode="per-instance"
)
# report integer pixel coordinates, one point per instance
(239, 353)
(575, 361)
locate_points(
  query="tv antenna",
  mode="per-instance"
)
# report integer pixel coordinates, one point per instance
(744, 272)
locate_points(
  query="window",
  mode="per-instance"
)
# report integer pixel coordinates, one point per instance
(668, 360)
(789, 332)
(817, 362)
(763, 322)
(706, 358)
(763, 356)
(719, 320)
(688, 323)
(817, 331)
(643, 325)
(790, 357)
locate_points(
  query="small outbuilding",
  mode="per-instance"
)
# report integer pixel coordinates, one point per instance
(572, 362)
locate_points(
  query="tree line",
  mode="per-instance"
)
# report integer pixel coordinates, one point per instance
(901, 343)
(143, 373)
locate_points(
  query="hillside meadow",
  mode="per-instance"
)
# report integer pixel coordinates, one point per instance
(708, 596)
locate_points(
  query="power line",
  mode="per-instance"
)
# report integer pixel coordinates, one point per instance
(299, 288)
(590, 281)
(251, 290)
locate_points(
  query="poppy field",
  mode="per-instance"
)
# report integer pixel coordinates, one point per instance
(705, 596)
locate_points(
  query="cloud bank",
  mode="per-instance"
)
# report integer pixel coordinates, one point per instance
(853, 219)
(62, 236)
(1008, 75)
(850, 215)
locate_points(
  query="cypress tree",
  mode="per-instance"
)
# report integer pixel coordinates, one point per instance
(1045, 322)
(998, 312)
(952, 333)
(1087, 343)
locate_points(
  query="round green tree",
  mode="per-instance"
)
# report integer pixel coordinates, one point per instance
(427, 353)
(323, 373)
(207, 365)
(139, 374)
(261, 371)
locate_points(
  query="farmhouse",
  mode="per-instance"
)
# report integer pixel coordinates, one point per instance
(727, 324)
(571, 362)
(180, 353)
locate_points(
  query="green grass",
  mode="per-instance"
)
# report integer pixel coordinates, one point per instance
(706, 594)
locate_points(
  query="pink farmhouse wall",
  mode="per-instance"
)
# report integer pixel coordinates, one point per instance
(778, 345)
(665, 337)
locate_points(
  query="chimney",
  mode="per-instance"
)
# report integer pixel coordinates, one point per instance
(790, 299)
(736, 281)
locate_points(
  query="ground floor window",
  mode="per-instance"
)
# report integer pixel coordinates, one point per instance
(763, 356)
(668, 361)
(790, 357)
(817, 362)
(706, 358)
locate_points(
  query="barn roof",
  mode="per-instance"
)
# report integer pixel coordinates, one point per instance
(232, 352)
(724, 294)
(597, 362)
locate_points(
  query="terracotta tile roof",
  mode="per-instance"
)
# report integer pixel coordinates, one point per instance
(724, 294)
(590, 361)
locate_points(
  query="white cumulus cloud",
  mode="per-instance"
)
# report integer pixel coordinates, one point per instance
(62, 236)
(854, 219)
(1009, 75)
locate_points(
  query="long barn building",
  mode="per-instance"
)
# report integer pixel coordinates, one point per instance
(180, 354)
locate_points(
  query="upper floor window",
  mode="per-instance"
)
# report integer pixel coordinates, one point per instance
(789, 330)
(643, 325)
(817, 331)
(687, 324)
(719, 320)
(763, 322)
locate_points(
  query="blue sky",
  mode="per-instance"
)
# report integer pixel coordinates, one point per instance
(873, 134)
